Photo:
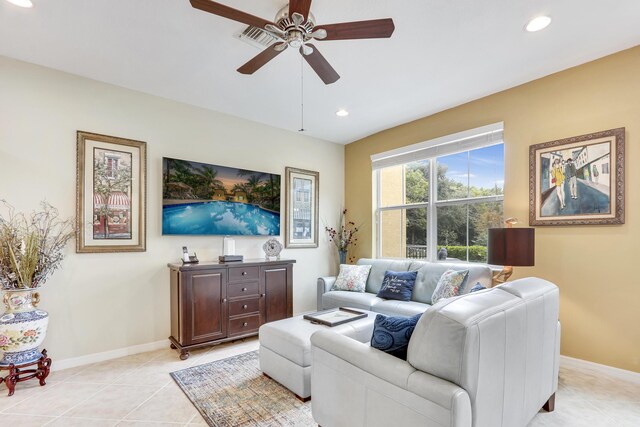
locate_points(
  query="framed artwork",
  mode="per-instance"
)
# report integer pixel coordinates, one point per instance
(301, 228)
(206, 199)
(578, 180)
(111, 194)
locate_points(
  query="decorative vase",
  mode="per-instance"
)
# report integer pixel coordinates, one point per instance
(343, 257)
(22, 328)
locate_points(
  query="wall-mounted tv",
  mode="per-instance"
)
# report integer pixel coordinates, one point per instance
(204, 199)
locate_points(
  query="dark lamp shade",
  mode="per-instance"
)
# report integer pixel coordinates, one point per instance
(511, 247)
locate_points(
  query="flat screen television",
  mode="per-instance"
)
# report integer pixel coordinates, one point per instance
(204, 199)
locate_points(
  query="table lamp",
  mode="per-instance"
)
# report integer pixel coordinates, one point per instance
(510, 247)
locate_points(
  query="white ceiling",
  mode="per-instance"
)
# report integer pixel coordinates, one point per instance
(443, 53)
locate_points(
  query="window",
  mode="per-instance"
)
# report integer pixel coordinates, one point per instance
(415, 218)
(112, 166)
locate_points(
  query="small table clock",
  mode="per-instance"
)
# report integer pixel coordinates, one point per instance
(272, 248)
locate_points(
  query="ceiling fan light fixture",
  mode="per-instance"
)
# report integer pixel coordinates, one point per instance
(319, 34)
(537, 24)
(297, 19)
(342, 113)
(295, 39)
(22, 3)
(273, 29)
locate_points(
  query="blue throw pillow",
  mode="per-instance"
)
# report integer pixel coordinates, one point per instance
(397, 285)
(477, 287)
(392, 334)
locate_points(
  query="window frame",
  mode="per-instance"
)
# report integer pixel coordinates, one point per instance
(433, 204)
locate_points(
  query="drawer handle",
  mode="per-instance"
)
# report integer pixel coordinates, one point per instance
(245, 306)
(244, 289)
(224, 300)
(245, 324)
(244, 273)
(262, 295)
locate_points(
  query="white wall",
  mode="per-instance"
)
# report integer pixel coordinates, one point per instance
(102, 302)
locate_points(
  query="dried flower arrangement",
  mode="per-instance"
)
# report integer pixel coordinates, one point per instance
(31, 248)
(344, 236)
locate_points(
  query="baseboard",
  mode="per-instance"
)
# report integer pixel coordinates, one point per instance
(107, 355)
(601, 369)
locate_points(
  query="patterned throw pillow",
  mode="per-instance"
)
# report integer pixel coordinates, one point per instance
(451, 284)
(352, 278)
(477, 287)
(392, 334)
(398, 285)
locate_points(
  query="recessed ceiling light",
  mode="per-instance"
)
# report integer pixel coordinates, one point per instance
(537, 24)
(21, 3)
(342, 113)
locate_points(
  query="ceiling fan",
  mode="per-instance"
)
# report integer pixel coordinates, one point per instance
(295, 26)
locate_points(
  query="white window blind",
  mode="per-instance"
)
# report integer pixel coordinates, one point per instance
(458, 142)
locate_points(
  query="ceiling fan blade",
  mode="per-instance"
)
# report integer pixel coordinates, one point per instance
(320, 65)
(261, 59)
(229, 13)
(300, 6)
(374, 29)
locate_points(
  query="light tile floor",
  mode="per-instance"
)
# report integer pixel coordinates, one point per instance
(138, 391)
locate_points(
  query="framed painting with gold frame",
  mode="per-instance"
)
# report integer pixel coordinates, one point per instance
(578, 180)
(301, 223)
(111, 194)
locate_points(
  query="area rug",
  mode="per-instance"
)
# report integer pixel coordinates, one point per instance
(234, 393)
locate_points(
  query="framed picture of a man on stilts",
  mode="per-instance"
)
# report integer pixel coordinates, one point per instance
(578, 180)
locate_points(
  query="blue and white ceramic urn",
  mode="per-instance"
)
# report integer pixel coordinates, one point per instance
(22, 328)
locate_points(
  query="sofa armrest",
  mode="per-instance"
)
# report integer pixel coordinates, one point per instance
(389, 368)
(324, 285)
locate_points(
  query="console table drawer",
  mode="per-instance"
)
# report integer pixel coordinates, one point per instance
(242, 325)
(245, 306)
(243, 289)
(243, 274)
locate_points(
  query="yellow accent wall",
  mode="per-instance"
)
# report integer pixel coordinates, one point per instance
(596, 267)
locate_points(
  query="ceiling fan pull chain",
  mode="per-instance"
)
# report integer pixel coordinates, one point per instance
(301, 95)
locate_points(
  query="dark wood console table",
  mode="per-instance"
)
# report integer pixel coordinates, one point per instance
(213, 302)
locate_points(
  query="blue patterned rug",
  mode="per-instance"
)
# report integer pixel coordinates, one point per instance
(234, 393)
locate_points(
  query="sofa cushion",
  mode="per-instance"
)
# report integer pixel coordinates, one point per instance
(400, 308)
(451, 284)
(397, 285)
(392, 334)
(363, 300)
(429, 273)
(477, 287)
(351, 278)
(378, 268)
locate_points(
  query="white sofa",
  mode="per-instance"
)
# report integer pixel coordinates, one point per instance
(426, 281)
(486, 359)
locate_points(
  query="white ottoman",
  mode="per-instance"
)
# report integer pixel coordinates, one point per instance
(285, 348)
